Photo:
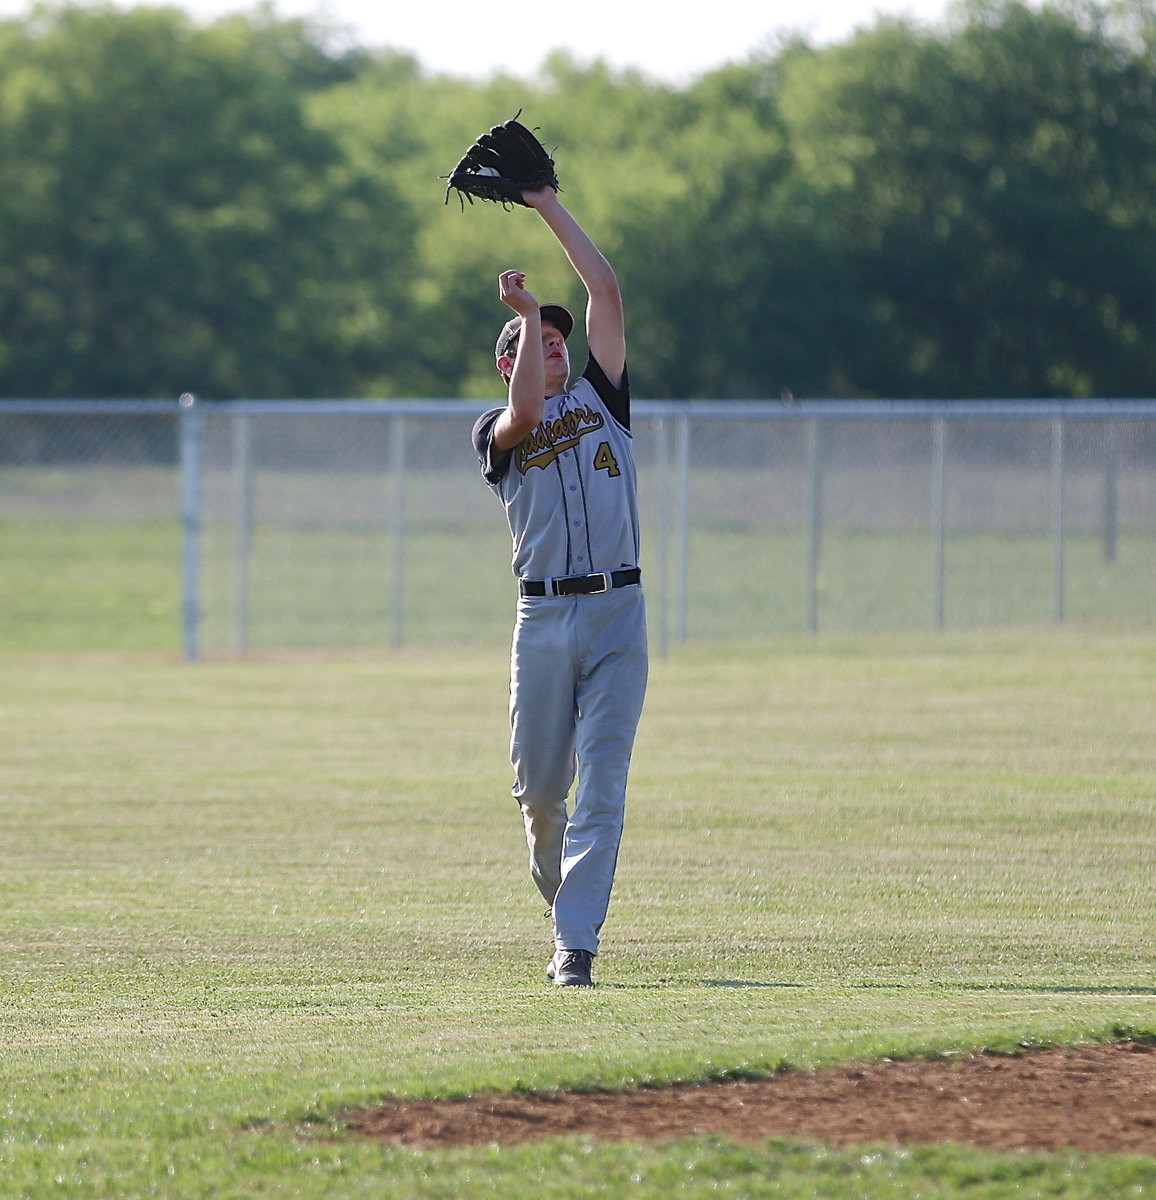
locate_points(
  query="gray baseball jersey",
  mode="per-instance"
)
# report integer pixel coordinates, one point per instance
(569, 489)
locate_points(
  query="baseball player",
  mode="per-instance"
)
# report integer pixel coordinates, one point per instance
(560, 459)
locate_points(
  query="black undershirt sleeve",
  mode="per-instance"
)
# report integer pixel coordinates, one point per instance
(494, 462)
(616, 399)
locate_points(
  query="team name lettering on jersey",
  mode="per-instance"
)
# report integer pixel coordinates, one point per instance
(551, 438)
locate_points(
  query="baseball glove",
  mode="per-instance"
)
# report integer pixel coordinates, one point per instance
(501, 165)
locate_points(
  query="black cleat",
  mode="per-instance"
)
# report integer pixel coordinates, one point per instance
(571, 968)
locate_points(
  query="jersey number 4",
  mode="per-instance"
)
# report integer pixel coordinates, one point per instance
(604, 460)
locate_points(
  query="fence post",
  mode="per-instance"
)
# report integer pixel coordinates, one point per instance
(1058, 518)
(682, 526)
(814, 522)
(397, 526)
(243, 497)
(662, 536)
(191, 425)
(1111, 491)
(939, 508)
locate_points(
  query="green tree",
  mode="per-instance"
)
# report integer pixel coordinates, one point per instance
(735, 284)
(988, 184)
(241, 209)
(170, 219)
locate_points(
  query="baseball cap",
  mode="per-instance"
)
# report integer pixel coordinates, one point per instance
(559, 317)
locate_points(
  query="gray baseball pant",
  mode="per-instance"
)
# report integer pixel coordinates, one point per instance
(577, 680)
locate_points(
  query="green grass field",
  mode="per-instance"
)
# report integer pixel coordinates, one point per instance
(240, 898)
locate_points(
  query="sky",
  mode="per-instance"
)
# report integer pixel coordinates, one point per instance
(667, 41)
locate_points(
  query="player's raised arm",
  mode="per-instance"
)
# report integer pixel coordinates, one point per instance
(509, 165)
(605, 328)
(527, 372)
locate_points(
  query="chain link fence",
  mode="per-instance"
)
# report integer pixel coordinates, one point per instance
(266, 527)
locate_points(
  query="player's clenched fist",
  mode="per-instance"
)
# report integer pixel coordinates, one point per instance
(512, 290)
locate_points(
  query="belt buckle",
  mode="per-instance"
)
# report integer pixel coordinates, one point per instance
(582, 585)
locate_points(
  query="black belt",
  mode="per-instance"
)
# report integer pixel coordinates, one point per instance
(579, 585)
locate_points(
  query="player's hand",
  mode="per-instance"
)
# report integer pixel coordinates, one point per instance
(539, 198)
(512, 290)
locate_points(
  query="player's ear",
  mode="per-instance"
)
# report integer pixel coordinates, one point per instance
(506, 366)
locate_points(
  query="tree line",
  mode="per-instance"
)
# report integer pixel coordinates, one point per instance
(248, 208)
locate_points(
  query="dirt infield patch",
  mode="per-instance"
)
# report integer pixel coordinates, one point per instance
(1100, 1099)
